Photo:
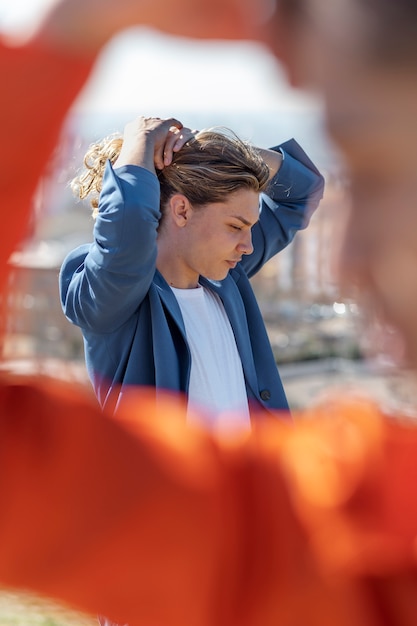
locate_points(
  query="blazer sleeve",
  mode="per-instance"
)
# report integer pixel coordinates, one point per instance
(292, 197)
(111, 278)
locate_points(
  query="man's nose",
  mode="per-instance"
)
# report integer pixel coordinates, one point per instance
(245, 245)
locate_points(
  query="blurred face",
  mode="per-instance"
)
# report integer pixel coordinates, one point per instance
(379, 253)
(215, 237)
(371, 117)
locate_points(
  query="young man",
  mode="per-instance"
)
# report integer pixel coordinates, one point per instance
(163, 295)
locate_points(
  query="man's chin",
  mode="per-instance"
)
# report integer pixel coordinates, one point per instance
(217, 276)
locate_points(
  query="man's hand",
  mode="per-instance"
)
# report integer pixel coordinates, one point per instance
(150, 142)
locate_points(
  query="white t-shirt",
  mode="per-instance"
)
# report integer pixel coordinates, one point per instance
(217, 393)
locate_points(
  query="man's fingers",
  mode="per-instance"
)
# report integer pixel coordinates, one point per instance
(175, 140)
(182, 137)
(163, 146)
(176, 137)
(174, 123)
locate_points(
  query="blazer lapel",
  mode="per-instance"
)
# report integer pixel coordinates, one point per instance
(167, 297)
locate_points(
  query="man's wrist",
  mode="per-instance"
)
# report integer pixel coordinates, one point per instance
(273, 159)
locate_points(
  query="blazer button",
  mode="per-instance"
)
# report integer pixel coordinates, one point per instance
(265, 394)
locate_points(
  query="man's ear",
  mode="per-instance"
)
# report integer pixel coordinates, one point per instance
(180, 209)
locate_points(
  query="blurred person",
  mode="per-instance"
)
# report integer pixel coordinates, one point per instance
(162, 295)
(159, 523)
(361, 55)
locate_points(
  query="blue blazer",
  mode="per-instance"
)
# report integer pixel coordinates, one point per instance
(130, 320)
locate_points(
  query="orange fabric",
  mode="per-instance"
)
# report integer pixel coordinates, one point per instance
(149, 522)
(38, 88)
(152, 523)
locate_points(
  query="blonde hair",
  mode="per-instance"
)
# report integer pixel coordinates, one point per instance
(208, 168)
(89, 181)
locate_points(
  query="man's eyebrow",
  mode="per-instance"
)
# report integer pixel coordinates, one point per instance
(243, 220)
